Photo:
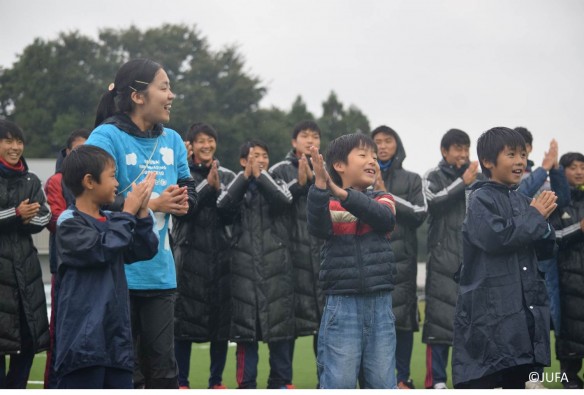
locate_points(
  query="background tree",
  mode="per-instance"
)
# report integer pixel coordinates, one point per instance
(55, 85)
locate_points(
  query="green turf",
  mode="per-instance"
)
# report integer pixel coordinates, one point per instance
(304, 365)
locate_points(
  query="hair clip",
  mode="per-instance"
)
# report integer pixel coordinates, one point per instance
(111, 87)
(142, 82)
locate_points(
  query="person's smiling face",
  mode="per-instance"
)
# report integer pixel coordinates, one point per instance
(511, 163)
(11, 150)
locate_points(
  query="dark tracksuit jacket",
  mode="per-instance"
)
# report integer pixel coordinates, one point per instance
(570, 239)
(92, 298)
(411, 210)
(200, 245)
(262, 288)
(21, 282)
(445, 195)
(304, 251)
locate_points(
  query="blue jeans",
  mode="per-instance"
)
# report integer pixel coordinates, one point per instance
(357, 332)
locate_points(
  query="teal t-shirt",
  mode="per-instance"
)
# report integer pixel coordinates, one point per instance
(135, 157)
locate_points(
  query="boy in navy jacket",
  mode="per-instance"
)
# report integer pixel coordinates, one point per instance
(501, 326)
(357, 330)
(94, 344)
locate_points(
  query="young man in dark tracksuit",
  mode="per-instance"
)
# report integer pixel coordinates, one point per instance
(94, 343)
(357, 331)
(410, 207)
(569, 225)
(444, 187)
(201, 251)
(59, 197)
(549, 176)
(24, 328)
(296, 171)
(262, 287)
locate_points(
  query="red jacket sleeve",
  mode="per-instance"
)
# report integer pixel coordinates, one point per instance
(55, 199)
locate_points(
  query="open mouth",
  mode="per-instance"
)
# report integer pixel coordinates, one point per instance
(168, 107)
(370, 171)
(518, 171)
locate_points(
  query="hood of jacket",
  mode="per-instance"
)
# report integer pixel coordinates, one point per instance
(124, 123)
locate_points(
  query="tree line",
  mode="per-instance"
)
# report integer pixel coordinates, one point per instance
(55, 85)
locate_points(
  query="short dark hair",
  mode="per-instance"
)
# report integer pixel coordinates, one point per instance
(198, 128)
(383, 129)
(454, 137)
(494, 141)
(245, 147)
(340, 148)
(526, 134)
(305, 125)
(569, 157)
(84, 159)
(10, 130)
(77, 134)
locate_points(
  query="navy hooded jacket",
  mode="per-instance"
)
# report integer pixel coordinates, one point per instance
(92, 299)
(502, 315)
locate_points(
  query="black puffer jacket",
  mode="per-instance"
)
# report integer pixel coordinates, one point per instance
(410, 206)
(445, 195)
(570, 238)
(21, 282)
(200, 245)
(502, 313)
(356, 256)
(304, 251)
(262, 288)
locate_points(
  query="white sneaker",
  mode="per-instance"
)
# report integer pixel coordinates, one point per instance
(440, 386)
(535, 385)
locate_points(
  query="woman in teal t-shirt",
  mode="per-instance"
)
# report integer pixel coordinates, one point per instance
(129, 126)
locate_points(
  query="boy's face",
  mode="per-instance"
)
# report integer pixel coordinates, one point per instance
(11, 150)
(304, 140)
(104, 191)
(457, 155)
(359, 171)
(204, 147)
(511, 163)
(261, 157)
(575, 173)
(386, 146)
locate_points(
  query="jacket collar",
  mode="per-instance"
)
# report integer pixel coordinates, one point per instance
(124, 123)
(451, 169)
(8, 171)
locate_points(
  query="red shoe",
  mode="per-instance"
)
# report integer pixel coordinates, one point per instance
(288, 387)
(184, 387)
(218, 387)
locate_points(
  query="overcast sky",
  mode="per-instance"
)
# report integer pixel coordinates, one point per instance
(421, 67)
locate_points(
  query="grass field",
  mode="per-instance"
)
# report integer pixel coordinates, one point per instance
(304, 365)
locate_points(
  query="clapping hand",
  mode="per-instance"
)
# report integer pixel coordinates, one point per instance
(545, 203)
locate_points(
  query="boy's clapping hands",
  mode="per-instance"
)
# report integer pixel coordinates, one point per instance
(322, 179)
(136, 202)
(545, 203)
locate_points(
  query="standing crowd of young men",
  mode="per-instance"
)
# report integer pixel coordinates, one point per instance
(314, 245)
